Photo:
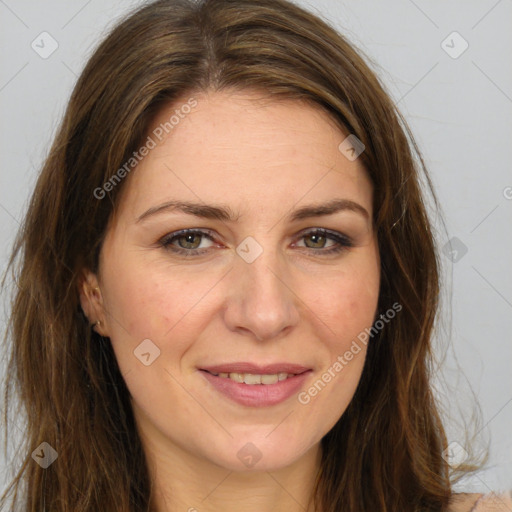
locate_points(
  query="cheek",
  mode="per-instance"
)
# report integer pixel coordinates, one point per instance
(152, 303)
(347, 307)
(348, 302)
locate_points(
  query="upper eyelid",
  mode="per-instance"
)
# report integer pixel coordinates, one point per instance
(194, 231)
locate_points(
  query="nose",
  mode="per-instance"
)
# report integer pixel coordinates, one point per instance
(261, 300)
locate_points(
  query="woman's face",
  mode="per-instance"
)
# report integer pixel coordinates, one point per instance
(255, 289)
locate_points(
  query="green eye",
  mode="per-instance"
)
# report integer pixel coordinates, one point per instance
(318, 240)
(187, 242)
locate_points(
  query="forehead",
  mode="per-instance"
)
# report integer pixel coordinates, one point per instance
(246, 149)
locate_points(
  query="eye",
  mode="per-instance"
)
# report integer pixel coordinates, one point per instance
(319, 237)
(186, 242)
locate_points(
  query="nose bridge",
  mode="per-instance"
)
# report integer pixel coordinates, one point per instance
(262, 301)
(264, 277)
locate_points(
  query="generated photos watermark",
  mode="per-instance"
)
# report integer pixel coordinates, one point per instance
(304, 397)
(157, 134)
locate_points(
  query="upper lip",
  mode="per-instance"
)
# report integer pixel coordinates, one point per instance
(266, 369)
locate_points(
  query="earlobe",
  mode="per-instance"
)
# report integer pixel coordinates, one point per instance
(91, 301)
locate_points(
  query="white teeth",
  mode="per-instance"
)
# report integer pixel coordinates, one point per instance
(269, 379)
(251, 379)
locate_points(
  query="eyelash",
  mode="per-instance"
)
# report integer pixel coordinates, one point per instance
(343, 242)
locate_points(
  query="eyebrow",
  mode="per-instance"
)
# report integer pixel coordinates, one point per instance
(225, 214)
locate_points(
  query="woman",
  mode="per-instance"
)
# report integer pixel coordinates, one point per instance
(228, 281)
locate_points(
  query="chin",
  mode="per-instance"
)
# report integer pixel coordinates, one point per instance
(260, 453)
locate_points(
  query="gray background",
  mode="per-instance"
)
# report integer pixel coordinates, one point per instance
(459, 107)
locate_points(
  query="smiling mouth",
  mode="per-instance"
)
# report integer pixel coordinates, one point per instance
(252, 378)
(256, 385)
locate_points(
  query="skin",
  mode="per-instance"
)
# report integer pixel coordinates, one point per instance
(263, 159)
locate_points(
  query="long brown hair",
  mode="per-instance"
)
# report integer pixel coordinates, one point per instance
(385, 452)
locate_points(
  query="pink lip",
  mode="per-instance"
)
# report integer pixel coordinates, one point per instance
(257, 395)
(268, 369)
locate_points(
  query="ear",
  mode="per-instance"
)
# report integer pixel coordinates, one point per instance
(91, 301)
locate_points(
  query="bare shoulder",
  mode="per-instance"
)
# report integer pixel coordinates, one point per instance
(492, 502)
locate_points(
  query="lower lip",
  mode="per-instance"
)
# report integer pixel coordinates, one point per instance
(257, 395)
